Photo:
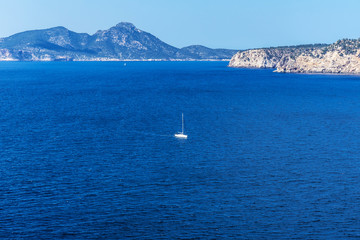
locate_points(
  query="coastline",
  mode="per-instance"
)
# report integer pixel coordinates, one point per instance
(303, 73)
(120, 60)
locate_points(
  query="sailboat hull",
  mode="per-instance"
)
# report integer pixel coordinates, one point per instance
(180, 135)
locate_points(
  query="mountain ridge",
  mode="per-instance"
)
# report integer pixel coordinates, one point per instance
(121, 42)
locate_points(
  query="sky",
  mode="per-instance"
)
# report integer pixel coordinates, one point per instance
(233, 24)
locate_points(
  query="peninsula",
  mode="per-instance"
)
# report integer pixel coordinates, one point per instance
(342, 56)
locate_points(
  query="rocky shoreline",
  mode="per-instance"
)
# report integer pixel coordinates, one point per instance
(341, 57)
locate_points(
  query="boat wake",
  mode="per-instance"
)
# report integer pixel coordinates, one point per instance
(151, 134)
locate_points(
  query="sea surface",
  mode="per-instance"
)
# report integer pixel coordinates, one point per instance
(88, 152)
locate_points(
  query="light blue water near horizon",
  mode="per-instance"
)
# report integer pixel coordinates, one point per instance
(87, 152)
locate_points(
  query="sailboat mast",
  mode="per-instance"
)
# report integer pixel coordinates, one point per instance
(182, 116)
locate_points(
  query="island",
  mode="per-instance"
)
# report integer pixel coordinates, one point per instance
(123, 42)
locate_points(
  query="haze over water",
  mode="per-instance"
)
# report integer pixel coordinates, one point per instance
(88, 152)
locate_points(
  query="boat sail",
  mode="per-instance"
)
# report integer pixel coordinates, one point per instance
(181, 134)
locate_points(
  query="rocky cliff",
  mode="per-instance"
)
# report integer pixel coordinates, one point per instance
(340, 57)
(269, 57)
(121, 42)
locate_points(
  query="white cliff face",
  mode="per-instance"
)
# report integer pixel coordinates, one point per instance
(257, 58)
(340, 57)
(331, 62)
(267, 57)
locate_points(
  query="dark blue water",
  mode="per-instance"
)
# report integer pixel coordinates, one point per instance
(87, 152)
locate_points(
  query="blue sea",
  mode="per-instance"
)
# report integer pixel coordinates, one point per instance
(88, 152)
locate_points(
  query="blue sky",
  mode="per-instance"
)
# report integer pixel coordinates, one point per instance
(236, 24)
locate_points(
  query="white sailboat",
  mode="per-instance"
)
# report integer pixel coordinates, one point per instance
(181, 134)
